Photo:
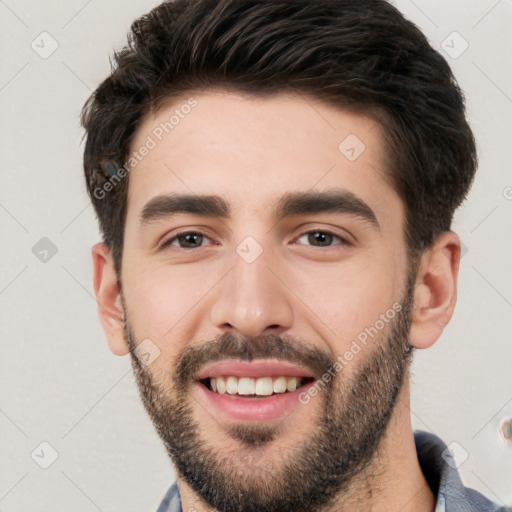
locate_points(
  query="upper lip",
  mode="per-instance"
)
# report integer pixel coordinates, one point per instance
(254, 369)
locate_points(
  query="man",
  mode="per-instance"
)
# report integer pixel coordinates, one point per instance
(275, 183)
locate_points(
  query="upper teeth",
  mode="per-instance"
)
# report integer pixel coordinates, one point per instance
(248, 386)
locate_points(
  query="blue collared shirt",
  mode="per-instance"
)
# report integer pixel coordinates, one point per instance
(442, 477)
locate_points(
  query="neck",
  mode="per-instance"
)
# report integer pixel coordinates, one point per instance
(392, 481)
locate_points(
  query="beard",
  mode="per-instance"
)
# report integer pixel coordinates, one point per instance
(343, 439)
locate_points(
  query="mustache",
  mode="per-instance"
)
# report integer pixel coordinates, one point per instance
(271, 346)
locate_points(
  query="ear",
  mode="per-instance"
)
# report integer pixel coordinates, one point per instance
(435, 292)
(108, 297)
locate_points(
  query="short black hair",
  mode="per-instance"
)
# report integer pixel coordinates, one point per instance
(357, 54)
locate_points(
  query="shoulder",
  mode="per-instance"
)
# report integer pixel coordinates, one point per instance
(440, 469)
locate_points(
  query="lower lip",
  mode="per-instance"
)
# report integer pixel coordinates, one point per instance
(236, 407)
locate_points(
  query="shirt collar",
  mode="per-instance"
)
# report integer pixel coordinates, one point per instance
(440, 470)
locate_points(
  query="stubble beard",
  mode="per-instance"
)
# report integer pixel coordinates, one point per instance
(345, 438)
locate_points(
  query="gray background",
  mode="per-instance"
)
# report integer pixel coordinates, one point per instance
(59, 382)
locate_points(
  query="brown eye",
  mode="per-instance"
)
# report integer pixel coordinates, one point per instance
(187, 240)
(323, 239)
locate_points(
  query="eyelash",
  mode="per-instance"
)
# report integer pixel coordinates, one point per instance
(343, 241)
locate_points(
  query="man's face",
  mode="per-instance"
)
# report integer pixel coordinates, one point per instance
(271, 295)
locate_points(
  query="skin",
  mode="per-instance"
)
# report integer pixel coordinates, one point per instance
(252, 151)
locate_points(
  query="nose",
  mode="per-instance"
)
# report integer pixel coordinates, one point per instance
(253, 299)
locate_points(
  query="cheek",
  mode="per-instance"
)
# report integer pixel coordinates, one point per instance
(347, 298)
(160, 299)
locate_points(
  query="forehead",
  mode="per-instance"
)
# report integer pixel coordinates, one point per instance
(252, 151)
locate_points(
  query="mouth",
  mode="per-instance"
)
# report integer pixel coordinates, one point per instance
(252, 391)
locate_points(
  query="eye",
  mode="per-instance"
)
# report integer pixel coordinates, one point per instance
(186, 240)
(323, 238)
(194, 239)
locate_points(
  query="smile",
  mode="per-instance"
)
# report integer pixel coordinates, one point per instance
(252, 391)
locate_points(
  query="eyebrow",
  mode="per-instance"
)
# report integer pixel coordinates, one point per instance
(290, 204)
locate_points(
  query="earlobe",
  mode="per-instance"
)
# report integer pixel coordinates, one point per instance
(108, 297)
(435, 292)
